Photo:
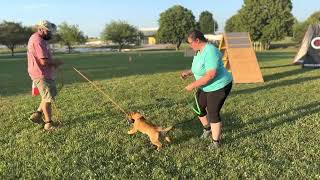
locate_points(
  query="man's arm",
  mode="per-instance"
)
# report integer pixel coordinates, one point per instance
(54, 63)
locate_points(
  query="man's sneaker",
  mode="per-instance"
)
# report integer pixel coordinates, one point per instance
(205, 134)
(36, 117)
(48, 127)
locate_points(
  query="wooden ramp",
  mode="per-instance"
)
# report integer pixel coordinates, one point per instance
(240, 58)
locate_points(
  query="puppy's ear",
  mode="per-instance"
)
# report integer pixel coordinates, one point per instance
(139, 116)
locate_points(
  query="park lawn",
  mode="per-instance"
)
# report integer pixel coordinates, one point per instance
(271, 129)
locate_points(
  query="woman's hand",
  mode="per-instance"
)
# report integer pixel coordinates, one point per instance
(185, 74)
(190, 87)
(202, 81)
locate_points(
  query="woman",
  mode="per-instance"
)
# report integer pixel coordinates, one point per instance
(213, 82)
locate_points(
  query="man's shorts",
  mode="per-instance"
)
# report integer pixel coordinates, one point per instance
(47, 89)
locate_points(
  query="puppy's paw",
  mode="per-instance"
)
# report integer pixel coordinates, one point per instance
(131, 132)
(168, 139)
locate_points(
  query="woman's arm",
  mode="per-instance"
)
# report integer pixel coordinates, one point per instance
(202, 81)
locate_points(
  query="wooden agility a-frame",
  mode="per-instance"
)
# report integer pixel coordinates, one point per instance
(240, 58)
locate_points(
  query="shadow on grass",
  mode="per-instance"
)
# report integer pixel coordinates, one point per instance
(278, 56)
(284, 45)
(191, 128)
(268, 123)
(280, 66)
(275, 85)
(284, 74)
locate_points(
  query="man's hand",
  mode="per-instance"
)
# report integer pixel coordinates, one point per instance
(58, 63)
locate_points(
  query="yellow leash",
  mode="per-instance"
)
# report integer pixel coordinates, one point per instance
(57, 112)
(99, 89)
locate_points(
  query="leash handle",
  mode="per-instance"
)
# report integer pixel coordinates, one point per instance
(197, 111)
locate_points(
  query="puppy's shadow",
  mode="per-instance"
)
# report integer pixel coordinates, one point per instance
(164, 102)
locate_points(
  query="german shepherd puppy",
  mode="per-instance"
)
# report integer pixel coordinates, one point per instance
(154, 132)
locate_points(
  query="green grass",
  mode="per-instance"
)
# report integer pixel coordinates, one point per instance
(5, 50)
(271, 129)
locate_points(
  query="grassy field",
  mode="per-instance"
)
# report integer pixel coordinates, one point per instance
(271, 130)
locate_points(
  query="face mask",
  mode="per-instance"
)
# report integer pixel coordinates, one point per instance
(47, 37)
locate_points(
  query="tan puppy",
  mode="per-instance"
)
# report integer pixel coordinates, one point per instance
(154, 132)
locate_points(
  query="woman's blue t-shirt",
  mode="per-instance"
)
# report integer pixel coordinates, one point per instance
(210, 59)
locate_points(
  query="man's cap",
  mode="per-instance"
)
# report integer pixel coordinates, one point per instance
(47, 25)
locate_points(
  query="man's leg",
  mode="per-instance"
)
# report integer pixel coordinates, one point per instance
(46, 107)
(48, 92)
(40, 107)
(36, 117)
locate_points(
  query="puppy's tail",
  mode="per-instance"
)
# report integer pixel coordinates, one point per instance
(160, 129)
(164, 131)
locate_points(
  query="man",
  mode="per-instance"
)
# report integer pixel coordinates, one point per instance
(41, 67)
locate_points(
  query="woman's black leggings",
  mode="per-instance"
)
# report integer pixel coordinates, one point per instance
(211, 102)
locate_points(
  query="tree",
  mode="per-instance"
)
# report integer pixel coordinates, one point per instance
(70, 35)
(314, 18)
(140, 37)
(13, 34)
(206, 23)
(120, 32)
(300, 28)
(233, 24)
(174, 24)
(266, 20)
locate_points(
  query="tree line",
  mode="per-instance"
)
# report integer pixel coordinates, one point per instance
(13, 34)
(269, 20)
(265, 20)
(174, 23)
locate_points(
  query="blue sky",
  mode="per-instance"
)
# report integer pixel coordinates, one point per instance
(92, 15)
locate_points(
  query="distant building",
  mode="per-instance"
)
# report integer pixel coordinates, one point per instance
(149, 35)
(213, 37)
(95, 43)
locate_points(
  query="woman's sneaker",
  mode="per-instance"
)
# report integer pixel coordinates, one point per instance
(205, 134)
(214, 144)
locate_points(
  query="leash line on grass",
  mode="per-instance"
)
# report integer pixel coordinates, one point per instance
(102, 92)
(58, 114)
